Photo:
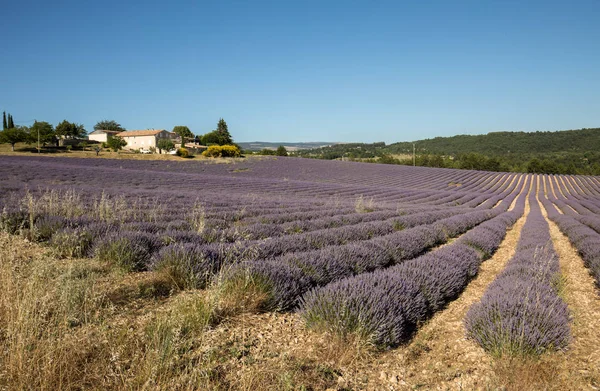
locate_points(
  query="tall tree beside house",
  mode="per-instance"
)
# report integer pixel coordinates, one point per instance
(183, 132)
(67, 129)
(219, 136)
(4, 123)
(106, 124)
(13, 135)
(223, 131)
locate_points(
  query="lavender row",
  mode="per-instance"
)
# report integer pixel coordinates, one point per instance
(585, 239)
(359, 226)
(291, 275)
(521, 311)
(386, 306)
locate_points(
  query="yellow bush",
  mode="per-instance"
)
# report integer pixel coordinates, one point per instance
(183, 152)
(222, 151)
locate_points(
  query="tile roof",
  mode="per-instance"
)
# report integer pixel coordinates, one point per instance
(131, 133)
(106, 131)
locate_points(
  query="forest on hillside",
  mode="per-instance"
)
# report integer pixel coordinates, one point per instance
(561, 152)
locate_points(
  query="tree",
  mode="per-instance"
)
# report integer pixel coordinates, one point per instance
(281, 151)
(166, 144)
(11, 123)
(183, 132)
(13, 135)
(116, 143)
(106, 124)
(4, 123)
(223, 131)
(219, 136)
(67, 129)
(44, 130)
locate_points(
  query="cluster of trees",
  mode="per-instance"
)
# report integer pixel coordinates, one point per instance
(7, 122)
(41, 131)
(280, 151)
(218, 136)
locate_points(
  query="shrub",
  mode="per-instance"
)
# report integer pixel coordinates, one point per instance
(222, 151)
(128, 250)
(182, 152)
(187, 265)
(46, 226)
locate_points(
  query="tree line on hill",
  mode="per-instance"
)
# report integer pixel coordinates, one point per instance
(561, 152)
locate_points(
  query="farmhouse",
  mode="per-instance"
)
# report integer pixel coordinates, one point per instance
(144, 139)
(102, 136)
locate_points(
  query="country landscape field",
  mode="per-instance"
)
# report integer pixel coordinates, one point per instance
(295, 274)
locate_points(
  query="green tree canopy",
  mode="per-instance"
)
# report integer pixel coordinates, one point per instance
(106, 124)
(223, 131)
(4, 122)
(183, 132)
(281, 151)
(14, 135)
(116, 143)
(45, 131)
(166, 144)
(67, 129)
(219, 136)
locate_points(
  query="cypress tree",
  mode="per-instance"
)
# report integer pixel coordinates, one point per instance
(4, 123)
(11, 123)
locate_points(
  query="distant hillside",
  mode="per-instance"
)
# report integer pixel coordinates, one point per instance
(290, 146)
(502, 143)
(560, 152)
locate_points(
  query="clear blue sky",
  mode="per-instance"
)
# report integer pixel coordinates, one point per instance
(305, 70)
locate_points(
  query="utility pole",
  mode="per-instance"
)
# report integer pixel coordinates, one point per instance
(414, 157)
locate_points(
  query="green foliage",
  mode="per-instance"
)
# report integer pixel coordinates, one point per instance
(183, 132)
(563, 152)
(4, 122)
(67, 129)
(220, 136)
(116, 143)
(106, 124)
(166, 144)
(11, 122)
(281, 151)
(45, 131)
(222, 151)
(267, 152)
(14, 135)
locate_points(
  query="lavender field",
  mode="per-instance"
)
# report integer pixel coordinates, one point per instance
(353, 249)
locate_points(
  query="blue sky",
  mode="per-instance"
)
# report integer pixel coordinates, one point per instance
(305, 70)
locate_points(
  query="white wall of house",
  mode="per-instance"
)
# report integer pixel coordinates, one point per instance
(146, 141)
(100, 137)
(137, 142)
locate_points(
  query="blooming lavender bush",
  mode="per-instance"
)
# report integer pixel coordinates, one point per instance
(130, 250)
(521, 311)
